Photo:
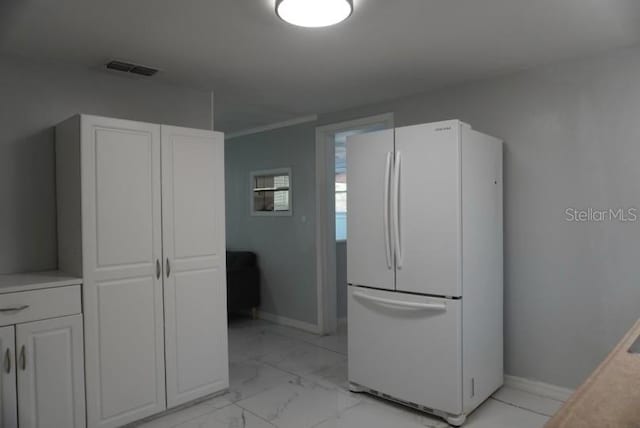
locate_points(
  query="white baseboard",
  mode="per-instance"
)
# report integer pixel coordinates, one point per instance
(289, 322)
(538, 388)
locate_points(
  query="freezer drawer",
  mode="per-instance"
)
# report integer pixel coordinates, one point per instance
(406, 346)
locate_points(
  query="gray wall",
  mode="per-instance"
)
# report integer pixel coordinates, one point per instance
(285, 245)
(34, 97)
(572, 139)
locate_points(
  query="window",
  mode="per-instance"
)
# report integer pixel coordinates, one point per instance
(271, 192)
(341, 186)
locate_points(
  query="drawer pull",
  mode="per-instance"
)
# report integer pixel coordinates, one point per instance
(403, 304)
(157, 268)
(23, 358)
(168, 268)
(7, 361)
(14, 309)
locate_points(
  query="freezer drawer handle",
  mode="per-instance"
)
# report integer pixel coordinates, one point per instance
(399, 303)
(14, 309)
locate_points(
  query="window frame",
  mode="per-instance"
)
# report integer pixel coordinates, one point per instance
(270, 172)
(335, 193)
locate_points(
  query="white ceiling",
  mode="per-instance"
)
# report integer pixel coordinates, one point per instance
(263, 70)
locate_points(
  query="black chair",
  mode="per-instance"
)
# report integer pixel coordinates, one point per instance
(243, 282)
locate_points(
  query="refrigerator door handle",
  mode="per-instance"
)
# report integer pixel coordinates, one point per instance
(385, 212)
(402, 304)
(396, 211)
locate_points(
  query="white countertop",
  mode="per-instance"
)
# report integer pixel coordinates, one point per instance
(11, 283)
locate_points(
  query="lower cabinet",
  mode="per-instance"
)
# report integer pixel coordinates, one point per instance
(43, 374)
(8, 397)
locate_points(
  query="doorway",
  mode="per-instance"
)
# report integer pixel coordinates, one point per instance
(331, 207)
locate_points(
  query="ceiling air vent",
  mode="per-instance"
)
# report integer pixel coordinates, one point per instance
(127, 67)
(144, 71)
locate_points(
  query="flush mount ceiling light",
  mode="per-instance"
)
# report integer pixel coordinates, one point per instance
(314, 13)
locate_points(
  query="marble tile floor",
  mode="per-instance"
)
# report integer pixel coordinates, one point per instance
(281, 377)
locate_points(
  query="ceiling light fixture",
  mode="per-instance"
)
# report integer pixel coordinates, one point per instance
(314, 13)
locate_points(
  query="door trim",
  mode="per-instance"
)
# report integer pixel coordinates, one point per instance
(325, 216)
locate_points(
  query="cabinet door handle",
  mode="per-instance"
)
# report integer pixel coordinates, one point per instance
(7, 361)
(23, 358)
(168, 268)
(14, 308)
(158, 268)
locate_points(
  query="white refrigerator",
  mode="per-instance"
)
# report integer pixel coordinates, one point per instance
(424, 266)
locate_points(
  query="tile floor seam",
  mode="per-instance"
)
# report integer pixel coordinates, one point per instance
(247, 409)
(561, 402)
(255, 414)
(308, 342)
(519, 407)
(339, 390)
(178, 409)
(259, 361)
(311, 380)
(195, 417)
(286, 371)
(337, 415)
(264, 390)
(258, 416)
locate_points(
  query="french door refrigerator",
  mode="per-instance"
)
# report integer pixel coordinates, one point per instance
(424, 266)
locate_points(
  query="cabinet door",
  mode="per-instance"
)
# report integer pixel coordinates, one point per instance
(122, 252)
(429, 251)
(194, 257)
(8, 401)
(51, 373)
(369, 172)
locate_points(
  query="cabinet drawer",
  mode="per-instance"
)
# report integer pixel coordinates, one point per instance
(406, 346)
(25, 306)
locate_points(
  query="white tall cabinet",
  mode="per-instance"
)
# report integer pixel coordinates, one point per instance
(141, 219)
